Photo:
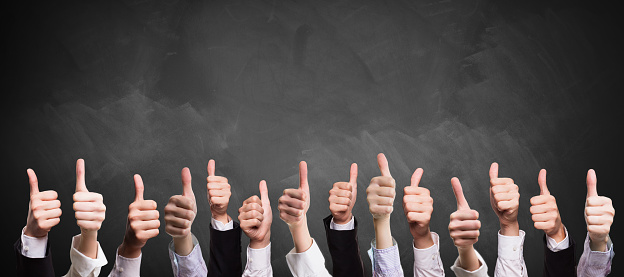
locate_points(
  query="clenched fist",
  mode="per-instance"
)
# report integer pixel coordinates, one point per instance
(218, 194)
(544, 211)
(44, 209)
(294, 203)
(505, 200)
(142, 222)
(599, 213)
(381, 191)
(464, 226)
(418, 207)
(342, 197)
(181, 209)
(255, 218)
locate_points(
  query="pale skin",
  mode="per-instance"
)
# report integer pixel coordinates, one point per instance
(255, 218)
(505, 199)
(418, 207)
(464, 229)
(544, 211)
(380, 196)
(180, 213)
(342, 197)
(599, 213)
(219, 192)
(44, 209)
(90, 213)
(293, 206)
(142, 223)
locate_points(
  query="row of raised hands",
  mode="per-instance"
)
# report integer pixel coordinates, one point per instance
(305, 259)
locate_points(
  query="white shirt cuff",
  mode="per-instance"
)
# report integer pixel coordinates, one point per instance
(258, 259)
(342, 227)
(511, 247)
(555, 246)
(219, 226)
(308, 263)
(126, 266)
(82, 265)
(480, 272)
(33, 247)
(428, 258)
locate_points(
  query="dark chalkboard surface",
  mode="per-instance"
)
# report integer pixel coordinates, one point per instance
(149, 87)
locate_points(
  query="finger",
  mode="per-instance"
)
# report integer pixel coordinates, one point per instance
(541, 181)
(591, 183)
(382, 162)
(416, 177)
(32, 180)
(462, 204)
(494, 171)
(211, 167)
(138, 188)
(353, 173)
(187, 188)
(264, 192)
(80, 176)
(303, 176)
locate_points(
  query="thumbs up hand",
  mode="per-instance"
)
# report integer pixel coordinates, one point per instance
(464, 226)
(255, 218)
(181, 209)
(418, 206)
(545, 213)
(294, 203)
(342, 198)
(599, 213)
(44, 209)
(381, 191)
(142, 222)
(89, 206)
(218, 194)
(505, 199)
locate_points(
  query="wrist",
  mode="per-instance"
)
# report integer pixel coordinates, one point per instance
(598, 242)
(558, 234)
(125, 250)
(511, 229)
(223, 218)
(259, 244)
(183, 245)
(422, 237)
(339, 219)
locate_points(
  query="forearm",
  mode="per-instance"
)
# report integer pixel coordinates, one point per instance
(259, 244)
(423, 238)
(183, 245)
(383, 234)
(468, 259)
(598, 244)
(301, 236)
(88, 245)
(510, 229)
(129, 251)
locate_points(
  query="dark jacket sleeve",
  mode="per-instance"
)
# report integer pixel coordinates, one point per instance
(344, 250)
(41, 267)
(225, 252)
(561, 263)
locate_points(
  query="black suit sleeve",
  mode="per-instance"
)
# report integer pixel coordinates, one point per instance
(344, 250)
(561, 263)
(225, 252)
(41, 267)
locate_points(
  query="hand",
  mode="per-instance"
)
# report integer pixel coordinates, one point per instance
(464, 226)
(179, 215)
(44, 209)
(599, 213)
(381, 191)
(294, 203)
(418, 206)
(255, 218)
(464, 229)
(505, 200)
(342, 198)
(545, 213)
(90, 213)
(218, 194)
(142, 222)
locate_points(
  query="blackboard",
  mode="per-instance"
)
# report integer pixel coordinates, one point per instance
(149, 87)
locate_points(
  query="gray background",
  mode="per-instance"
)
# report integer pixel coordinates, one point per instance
(149, 87)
